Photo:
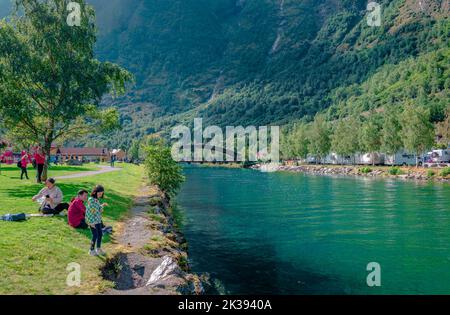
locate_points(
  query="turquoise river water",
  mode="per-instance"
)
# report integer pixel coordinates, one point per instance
(286, 233)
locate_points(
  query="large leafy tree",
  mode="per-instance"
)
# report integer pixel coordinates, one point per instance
(301, 142)
(417, 130)
(135, 149)
(320, 138)
(162, 170)
(391, 139)
(371, 135)
(51, 84)
(345, 138)
(295, 142)
(443, 129)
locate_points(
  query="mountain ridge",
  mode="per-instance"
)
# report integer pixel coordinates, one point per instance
(261, 62)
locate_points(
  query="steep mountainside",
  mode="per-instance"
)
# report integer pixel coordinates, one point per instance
(267, 61)
(270, 61)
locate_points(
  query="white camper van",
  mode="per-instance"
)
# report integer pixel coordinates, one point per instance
(440, 156)
(336, 159)
(367, 159)
(402, 158)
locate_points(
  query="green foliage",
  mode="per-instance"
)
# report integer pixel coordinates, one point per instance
(391, 140)
(135, 150)
(326, 57)
(28, 249)
(50, 82)
(443, 129)
(394, 171)
(218, 60)
(371, 134)
(431, 173)
(320, 132)
(417, 130)
(162, 170)
(445, 172)
(392, 86)
(365, 170)
(295, 143)
(345, 139)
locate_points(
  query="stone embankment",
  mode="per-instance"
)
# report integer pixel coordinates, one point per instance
(406, 173)
(151, 254)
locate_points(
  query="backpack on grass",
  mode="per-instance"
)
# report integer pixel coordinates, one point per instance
(14, 217)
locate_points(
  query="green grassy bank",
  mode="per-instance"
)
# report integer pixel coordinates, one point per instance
(34, 254)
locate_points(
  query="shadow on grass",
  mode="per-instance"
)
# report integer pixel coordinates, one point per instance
(56, 168)
(119, 204)
(85, 232)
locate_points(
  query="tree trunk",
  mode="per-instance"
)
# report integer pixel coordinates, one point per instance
(48, 140)
(373, 159)
(46, 150)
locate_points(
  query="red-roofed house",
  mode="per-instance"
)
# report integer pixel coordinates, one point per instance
(81, 154)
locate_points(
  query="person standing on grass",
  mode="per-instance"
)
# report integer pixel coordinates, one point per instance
(24, 161)
(77, 211)
(51, 198)
(94, 211)
(39, 158)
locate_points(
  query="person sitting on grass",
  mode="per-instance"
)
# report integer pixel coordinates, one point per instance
(77, 211)
(51, 198)
(94, 211)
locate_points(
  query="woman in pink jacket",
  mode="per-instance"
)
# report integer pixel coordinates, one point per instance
(24, 161)
(40, 158)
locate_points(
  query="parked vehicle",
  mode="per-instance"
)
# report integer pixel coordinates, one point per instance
(440, 156)
(336, 159)
(427, 158)
(312, 160)
(402, 158)
(370, 158)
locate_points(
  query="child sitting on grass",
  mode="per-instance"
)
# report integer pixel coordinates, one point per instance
(94, 212)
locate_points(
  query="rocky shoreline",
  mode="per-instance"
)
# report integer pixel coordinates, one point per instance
(405, 173)
(151, 254)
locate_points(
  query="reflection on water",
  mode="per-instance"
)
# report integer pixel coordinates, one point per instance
(283, 233)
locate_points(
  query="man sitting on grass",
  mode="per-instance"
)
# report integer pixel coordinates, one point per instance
(77, 211)
(51, 198)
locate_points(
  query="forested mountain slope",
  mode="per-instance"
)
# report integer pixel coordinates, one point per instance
(269, 62)
(258, 62)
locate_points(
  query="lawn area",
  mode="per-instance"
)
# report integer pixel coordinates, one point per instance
(34, 254)
(13, 172)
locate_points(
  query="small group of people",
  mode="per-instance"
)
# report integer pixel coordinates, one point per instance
(37, 159)
(84, 211)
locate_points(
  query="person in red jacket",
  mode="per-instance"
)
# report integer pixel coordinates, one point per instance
(24, 161)
(39, 157)
(77, 211)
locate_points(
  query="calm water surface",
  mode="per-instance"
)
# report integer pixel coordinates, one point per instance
(285, 233)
